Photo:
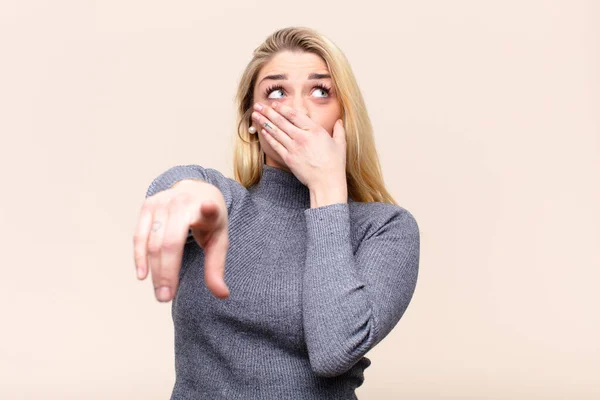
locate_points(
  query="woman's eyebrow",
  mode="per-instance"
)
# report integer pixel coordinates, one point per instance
(278, 77)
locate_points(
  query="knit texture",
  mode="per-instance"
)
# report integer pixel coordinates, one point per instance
(312, 290)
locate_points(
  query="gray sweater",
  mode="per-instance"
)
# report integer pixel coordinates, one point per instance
(312, 290)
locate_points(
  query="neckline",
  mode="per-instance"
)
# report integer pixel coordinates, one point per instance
(281, 188)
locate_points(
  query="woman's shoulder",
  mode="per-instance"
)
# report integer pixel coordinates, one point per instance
(384, 217)
(231, 189)
(219, 179)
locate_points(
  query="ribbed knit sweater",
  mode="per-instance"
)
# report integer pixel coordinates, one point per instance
(312, 290)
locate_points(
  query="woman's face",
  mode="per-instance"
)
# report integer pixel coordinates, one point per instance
(296, 89)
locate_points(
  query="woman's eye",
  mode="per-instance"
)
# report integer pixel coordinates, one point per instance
(273, 91)
(269, 92)
(322, 90)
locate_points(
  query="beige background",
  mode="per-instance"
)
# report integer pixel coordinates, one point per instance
(487, 119)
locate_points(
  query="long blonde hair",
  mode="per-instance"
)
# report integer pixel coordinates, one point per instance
(363, 170)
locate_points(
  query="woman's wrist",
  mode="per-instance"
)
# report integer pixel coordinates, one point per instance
(324, 196)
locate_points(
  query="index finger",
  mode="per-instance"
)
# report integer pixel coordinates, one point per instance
(299, 119)
(215, 255)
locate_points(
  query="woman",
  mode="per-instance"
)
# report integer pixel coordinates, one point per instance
(321, 263)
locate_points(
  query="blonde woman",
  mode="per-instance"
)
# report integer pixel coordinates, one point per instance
(283, 278)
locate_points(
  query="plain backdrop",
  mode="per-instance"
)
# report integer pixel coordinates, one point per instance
(487, 121)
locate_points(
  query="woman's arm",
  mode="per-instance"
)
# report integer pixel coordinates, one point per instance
(173, 175)
(352, 301)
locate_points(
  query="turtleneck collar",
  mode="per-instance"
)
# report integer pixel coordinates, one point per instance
(281, 188)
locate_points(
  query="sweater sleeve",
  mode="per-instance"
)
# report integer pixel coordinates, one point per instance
(231, 189)
(352, 301)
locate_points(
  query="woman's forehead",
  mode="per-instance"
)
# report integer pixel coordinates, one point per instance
(294, 65)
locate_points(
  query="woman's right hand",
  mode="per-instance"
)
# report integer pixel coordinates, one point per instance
(162, 230)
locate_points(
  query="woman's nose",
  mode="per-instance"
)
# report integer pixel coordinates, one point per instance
(299, 105)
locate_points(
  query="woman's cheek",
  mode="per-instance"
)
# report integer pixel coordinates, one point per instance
(328, 125)
(267, 148)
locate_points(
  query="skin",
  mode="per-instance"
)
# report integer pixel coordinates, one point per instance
(303, 135)
(162, 229)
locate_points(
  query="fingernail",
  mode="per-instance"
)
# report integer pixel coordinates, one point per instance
(258, 106)
(275, 104)
(163, 293)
